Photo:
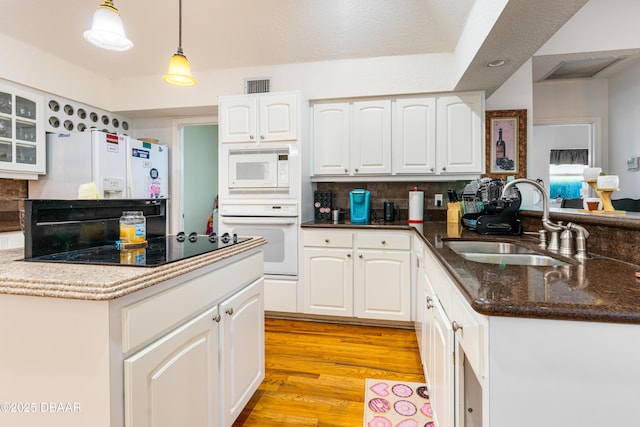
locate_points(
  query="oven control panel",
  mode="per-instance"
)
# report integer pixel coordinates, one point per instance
(262, 208)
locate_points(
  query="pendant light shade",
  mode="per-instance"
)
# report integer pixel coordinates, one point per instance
(107, 30)
(179, 69)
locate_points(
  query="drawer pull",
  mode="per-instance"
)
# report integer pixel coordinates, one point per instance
(384, 242)
(348, 255)
(229, 311)
(455, 326)
(217, 318)
(429, 303)
(326, 240)
(360, 256)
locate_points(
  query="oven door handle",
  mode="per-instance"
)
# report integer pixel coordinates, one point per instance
(260, 221)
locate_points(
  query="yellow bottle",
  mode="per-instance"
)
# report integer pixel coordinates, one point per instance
(133, 227)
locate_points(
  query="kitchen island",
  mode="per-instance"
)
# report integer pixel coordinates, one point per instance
(532, 345)
(116, 345)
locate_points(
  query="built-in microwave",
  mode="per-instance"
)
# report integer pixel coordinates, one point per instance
(258, 169)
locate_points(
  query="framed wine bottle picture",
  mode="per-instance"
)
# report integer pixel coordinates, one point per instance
(506, 143)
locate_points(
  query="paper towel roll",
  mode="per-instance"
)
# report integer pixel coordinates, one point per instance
(416, 206)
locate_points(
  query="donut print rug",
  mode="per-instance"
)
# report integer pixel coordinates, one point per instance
(396, 404)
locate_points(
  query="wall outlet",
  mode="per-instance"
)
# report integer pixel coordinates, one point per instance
(438, 200)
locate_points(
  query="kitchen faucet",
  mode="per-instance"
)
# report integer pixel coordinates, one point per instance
(553, 228)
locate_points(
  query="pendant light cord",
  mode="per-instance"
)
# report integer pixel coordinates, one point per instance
(180, 27)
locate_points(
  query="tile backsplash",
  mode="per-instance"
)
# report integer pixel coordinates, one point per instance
(397, 192)
(10, 190)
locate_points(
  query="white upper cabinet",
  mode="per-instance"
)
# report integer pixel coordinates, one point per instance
(258, 118)
(331, 139)
(460, 147)
(414, 136)
(352, 139)
(22, 137)
(278, 118)
(371, 138)
(397, 139)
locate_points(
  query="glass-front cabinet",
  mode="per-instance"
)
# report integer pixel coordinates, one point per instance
(22, 136)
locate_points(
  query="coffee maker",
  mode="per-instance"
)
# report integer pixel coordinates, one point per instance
(360, 206)
(487, 212)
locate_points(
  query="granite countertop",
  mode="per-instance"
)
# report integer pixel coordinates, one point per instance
(600, 289)
(98, 282)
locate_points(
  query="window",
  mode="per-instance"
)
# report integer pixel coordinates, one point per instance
(565, 181)
(565, 173)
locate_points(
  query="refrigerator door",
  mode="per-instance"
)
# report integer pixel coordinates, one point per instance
(109, 164)
(147, 170)
(68, 166)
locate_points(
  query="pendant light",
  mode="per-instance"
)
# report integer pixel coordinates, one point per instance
(179, 69)
(107, 30)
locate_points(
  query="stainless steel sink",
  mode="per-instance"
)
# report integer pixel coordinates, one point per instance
(487, 247)
(505, 253)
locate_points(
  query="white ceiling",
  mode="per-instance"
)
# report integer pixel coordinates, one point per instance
(221, 34)
(237, 33)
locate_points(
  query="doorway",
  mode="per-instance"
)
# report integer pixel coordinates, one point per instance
(578, 133)
(199, 147)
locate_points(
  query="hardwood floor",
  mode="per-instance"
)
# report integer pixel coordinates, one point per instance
(315, 372)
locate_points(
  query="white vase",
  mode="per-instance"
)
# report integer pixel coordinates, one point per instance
(591, 174)
(608, 182)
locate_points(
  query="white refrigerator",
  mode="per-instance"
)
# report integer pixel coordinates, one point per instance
(147, 170)
(120, 167)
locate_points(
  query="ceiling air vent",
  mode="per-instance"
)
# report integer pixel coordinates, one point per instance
(262, 85)
(582, 68)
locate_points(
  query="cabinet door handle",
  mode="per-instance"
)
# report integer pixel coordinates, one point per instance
(229, 311)
(429, 303)
(432, 169)
(261, 136)
(360, 256)
(348, 255)
(455, 326)
(251, 137)
(346, 170)
(444, 169)
(217, 318)
(356, 170)
(326, 240)
(384, 242)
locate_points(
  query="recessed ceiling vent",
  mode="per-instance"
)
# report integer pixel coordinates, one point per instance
(582, 68)
(261, 85)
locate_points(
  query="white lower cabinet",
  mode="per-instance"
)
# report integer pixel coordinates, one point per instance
(242, 349)
(438, 357)
(452, 348)
(328, 272)
(202, 373)
(357, 274)
(174, 380)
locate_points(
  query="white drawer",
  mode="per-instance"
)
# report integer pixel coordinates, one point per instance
(375, 240)
(329, 239)
(281, 295)
(151, 317)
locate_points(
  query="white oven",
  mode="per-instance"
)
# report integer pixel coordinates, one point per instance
(258, 169)
(276, 221)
